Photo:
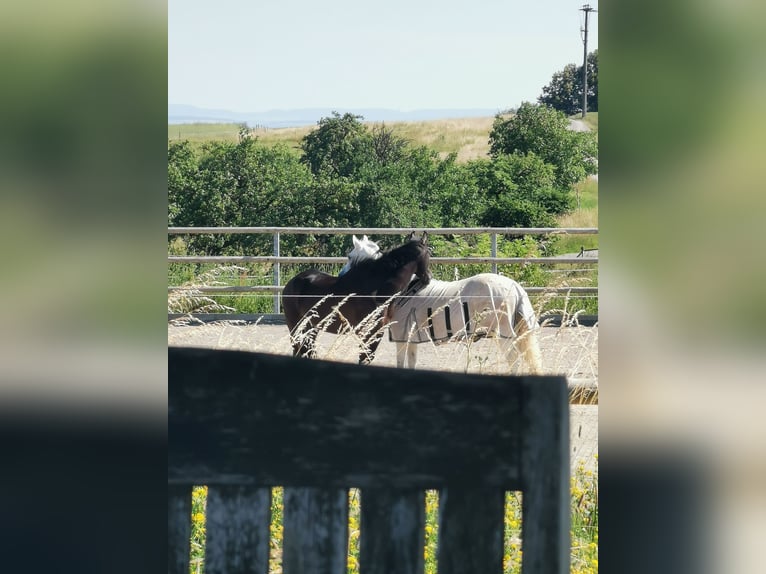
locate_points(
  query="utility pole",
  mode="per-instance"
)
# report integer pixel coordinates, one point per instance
(587, 9)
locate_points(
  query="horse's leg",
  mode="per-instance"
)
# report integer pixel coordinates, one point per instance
(406, 355)
(412, 355)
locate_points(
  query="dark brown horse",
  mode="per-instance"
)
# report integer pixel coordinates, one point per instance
(315, 301)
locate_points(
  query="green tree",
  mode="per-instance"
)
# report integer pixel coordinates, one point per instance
(392, 195)
(544, 131)
(338, 147)
(564, 92)
(518, 191)
(592, 81)
(239, 184)
(420, 189)
(393, 183)
(386, 146)
(182, 177)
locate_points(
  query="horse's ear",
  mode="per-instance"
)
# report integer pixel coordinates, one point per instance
(424, 238)
(356, 241)
(411, 236)
(364, 238)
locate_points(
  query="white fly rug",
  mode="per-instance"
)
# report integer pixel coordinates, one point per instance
(485, 305)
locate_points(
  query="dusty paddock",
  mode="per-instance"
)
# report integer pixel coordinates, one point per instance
(571, 351)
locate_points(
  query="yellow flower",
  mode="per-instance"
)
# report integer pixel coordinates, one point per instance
(198, 517)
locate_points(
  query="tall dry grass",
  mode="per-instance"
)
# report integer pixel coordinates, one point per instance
(188, 298)
(568, 350)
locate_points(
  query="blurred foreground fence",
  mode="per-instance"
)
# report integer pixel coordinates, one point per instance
(276, 259)
(242, 423)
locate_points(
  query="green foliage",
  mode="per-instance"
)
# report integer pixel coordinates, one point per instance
(592, 61)
(198, 529)
(182, 172)
(352, 175)
(564, 93)
(519, 191)
(338, 147)
(512, 211)
(543, 131)
(237, 184)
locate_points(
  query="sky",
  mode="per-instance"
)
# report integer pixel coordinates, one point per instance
(260, 55)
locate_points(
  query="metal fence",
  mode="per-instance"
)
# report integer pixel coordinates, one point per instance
(277, 260)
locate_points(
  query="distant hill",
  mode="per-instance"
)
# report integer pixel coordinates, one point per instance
(183, 114)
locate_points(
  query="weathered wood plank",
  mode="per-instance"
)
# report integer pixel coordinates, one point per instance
(250, 419)
(179, 528)
(545, 466)
(315, 524)
(393, 427)
(471, 530)
(392, 535)
(237, 529)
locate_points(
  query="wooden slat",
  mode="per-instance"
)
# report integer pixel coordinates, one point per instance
(471, 530)
(545, 464)
(179, 528)
(392, 531)
(315, 531)
(237, 529)
(237, 417)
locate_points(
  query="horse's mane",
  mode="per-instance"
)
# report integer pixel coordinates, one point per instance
(398, 256)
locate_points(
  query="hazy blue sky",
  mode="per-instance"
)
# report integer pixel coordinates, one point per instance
(257, 55)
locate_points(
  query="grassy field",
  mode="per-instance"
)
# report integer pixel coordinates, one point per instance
(466, 137)
(586, 215)
(203, 132)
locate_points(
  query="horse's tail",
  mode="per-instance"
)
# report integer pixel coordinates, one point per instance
(527, 330)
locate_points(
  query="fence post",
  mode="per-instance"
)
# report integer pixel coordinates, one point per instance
(493, 250)
(276, 273)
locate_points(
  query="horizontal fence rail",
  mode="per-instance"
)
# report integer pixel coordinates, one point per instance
(276, 259)
(275, 289)
(230, 259)
(383, 230)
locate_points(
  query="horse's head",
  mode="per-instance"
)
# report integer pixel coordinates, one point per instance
(422, 258)
(364, 248)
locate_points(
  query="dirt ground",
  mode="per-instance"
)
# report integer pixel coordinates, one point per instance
(571, 351)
